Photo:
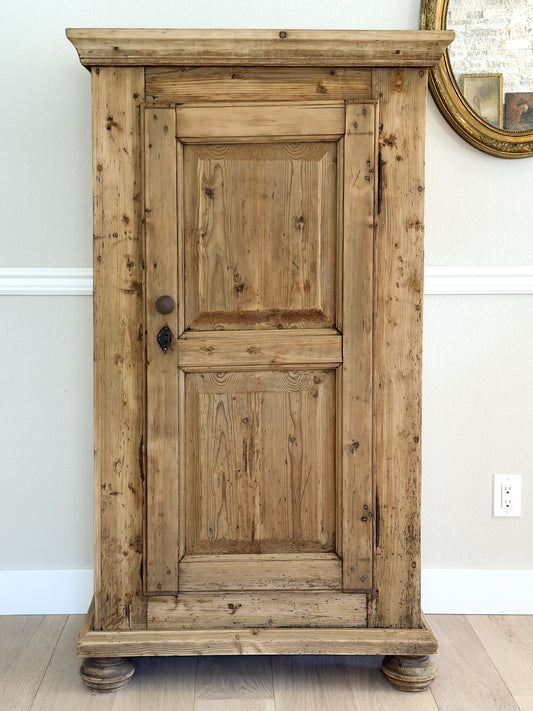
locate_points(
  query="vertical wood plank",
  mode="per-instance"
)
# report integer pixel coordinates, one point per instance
(398, 345)
(118, 347)
(357, 455)
(161, 368)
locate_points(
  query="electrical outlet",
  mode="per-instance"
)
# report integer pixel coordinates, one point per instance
(507, 495)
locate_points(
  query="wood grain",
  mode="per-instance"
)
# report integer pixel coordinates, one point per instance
(509, 641)
(398, 344)
(260, 119)
(263, 571)
(193, 84)
(241, 678)
(26, 647)
(149, 643)
(207, 351)
(344, 683)
(264, 259)
(258, 47)
(260, 462)
(356, 450)
(118, 348)
(246, 609)
(162, 400)
(460, 653)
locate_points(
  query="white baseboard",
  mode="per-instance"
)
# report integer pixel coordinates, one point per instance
(45, 592)
(477, 592)
(78, 281)
(458, 592)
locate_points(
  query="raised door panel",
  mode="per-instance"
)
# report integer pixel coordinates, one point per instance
(260, 235)
(261, 462)
(264, 235)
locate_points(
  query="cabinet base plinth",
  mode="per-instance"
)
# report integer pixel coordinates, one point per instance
(107, 674)
(409, 673)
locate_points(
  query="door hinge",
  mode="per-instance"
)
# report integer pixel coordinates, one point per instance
(380, 183)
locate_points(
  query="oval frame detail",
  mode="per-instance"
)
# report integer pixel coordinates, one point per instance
(454, 107)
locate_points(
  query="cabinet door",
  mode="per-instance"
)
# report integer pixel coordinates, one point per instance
(259, 225)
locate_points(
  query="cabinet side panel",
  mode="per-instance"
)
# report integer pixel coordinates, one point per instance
(118, 348)
(398, 346)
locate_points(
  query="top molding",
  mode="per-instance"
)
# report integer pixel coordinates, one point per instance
(385, 48)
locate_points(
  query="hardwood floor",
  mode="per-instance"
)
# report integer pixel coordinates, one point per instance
(485, 664)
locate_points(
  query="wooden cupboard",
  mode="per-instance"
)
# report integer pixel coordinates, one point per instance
(258, 282)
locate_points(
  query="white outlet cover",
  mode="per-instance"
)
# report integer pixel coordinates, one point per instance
(514, 483)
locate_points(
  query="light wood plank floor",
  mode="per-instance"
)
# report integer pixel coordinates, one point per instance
(485, 664)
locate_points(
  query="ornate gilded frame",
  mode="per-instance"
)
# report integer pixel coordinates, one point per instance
(453, 106)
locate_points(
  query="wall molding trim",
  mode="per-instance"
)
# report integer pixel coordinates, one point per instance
(77, 281)
(478, 280)
(458, 592)
(46, 281)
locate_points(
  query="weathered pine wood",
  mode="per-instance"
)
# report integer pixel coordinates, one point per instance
(399, 280)
(162, 401)
(193, 84)
(203, 351)
(292, 571)
(263, 120)
(358, 508)
(248, 609)
(259, 233)
(345, 48)
(118, 347)
(359, 641)
(260, 473)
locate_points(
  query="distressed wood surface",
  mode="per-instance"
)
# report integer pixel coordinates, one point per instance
(118, 347)
(260, 119)
(193, 84)
(249, 609)
(290, 571)
(356, 378)
(327, 640)
(162, 400)
(206, 351)
(266, 259)
(260, 474)
(259, 47)
(399, 277)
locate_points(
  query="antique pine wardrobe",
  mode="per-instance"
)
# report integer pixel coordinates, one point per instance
(258, 281)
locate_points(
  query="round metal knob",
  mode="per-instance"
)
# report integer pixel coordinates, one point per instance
(165, 304)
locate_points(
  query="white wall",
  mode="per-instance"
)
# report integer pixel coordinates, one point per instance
(478, 397)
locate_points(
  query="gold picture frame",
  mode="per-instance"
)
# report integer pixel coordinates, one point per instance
(484, 94)
(456, 109)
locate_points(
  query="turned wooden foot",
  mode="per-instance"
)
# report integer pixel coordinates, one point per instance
(107, 674)
(409, 673)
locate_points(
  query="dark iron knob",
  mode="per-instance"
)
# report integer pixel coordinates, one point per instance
(165, 304)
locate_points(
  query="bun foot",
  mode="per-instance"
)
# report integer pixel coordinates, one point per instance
(107, 674)
(409, 673)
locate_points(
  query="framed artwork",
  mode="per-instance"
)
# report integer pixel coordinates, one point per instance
(484, 94)
(519, 111)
